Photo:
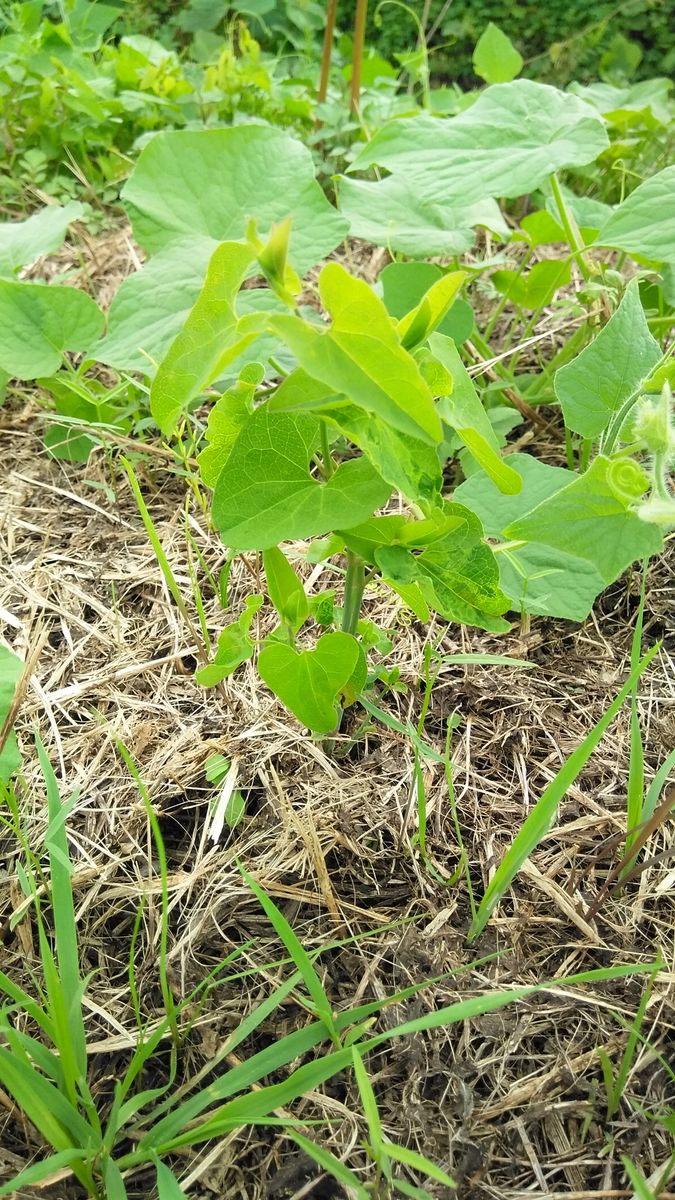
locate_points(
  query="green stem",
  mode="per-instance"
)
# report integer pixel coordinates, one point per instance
(571, 231)
(355, 582)
(505, 298)
(328, 466)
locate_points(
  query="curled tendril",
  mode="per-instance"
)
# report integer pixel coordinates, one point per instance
(627, 480)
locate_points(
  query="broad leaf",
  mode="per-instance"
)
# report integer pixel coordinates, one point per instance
(151, 307)
(265, 494)
(495, 57)
(408, 464)
(11, 670)
(537, 578)
(234, 646)
(204, 187)
(538, 287)
(226, 421)
(308, 681)
(506, 144)
(457, 574)
(361, 357)
(592, 517)
(212, 337)
(463, 412)
(392, 213)
(599, 382)
(21, 242)
(424, 319)
(405, 284)
(39, 323)
(645, 222)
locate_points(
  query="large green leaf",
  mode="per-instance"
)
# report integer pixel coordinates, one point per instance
(537, 578)
(38, 323)
(457, 574)
(22, 242)
(392, 213)
(151, 307)
(212, 336)
(645, 222)
(204, 186)
(11, 670)
(506, 144)
(226, 421)
(266, 495)
(411, 466)
(308, 681)
(597, 384)
(361, 357)
(592, 517)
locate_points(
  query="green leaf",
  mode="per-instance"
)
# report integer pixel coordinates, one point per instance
(591, 518)
(404, 285)
(331, 1165)
(39, 323)
(506, 144)
(495, 57)
(409, 465)
(538, 287)
(168, 1187)
(457, 574)
(203, 187)
(211, 337)
(41, 1170)
(597, 384)
(265, 494)
(537, 578)
(540, 819)
(285, 589)
(226, 421)
(308, 681)
(645, 222)
(361, 357)
(463, 412)
(11, 670)
(418, 1162)
(390, 212)
(421, 321)
(234, 646)
(21, 242)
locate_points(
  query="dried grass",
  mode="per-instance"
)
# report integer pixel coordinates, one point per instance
(510, 1103)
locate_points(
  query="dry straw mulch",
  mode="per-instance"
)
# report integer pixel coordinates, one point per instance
(511, 1104)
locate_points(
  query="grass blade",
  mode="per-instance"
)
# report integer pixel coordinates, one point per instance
(331, 1165)
(168, 1187)
(541, 818)
(418, 1162)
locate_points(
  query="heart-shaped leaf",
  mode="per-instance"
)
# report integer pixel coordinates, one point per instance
(39, 323)
(265, 493)
(645, 222)
(309, 681)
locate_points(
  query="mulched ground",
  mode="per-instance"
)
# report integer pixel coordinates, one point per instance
(511, 1104)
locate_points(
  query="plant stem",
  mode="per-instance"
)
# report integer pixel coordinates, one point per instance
(328, 466)
(570, 226)
(331, 11)
(355, 582)
(357, 53)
